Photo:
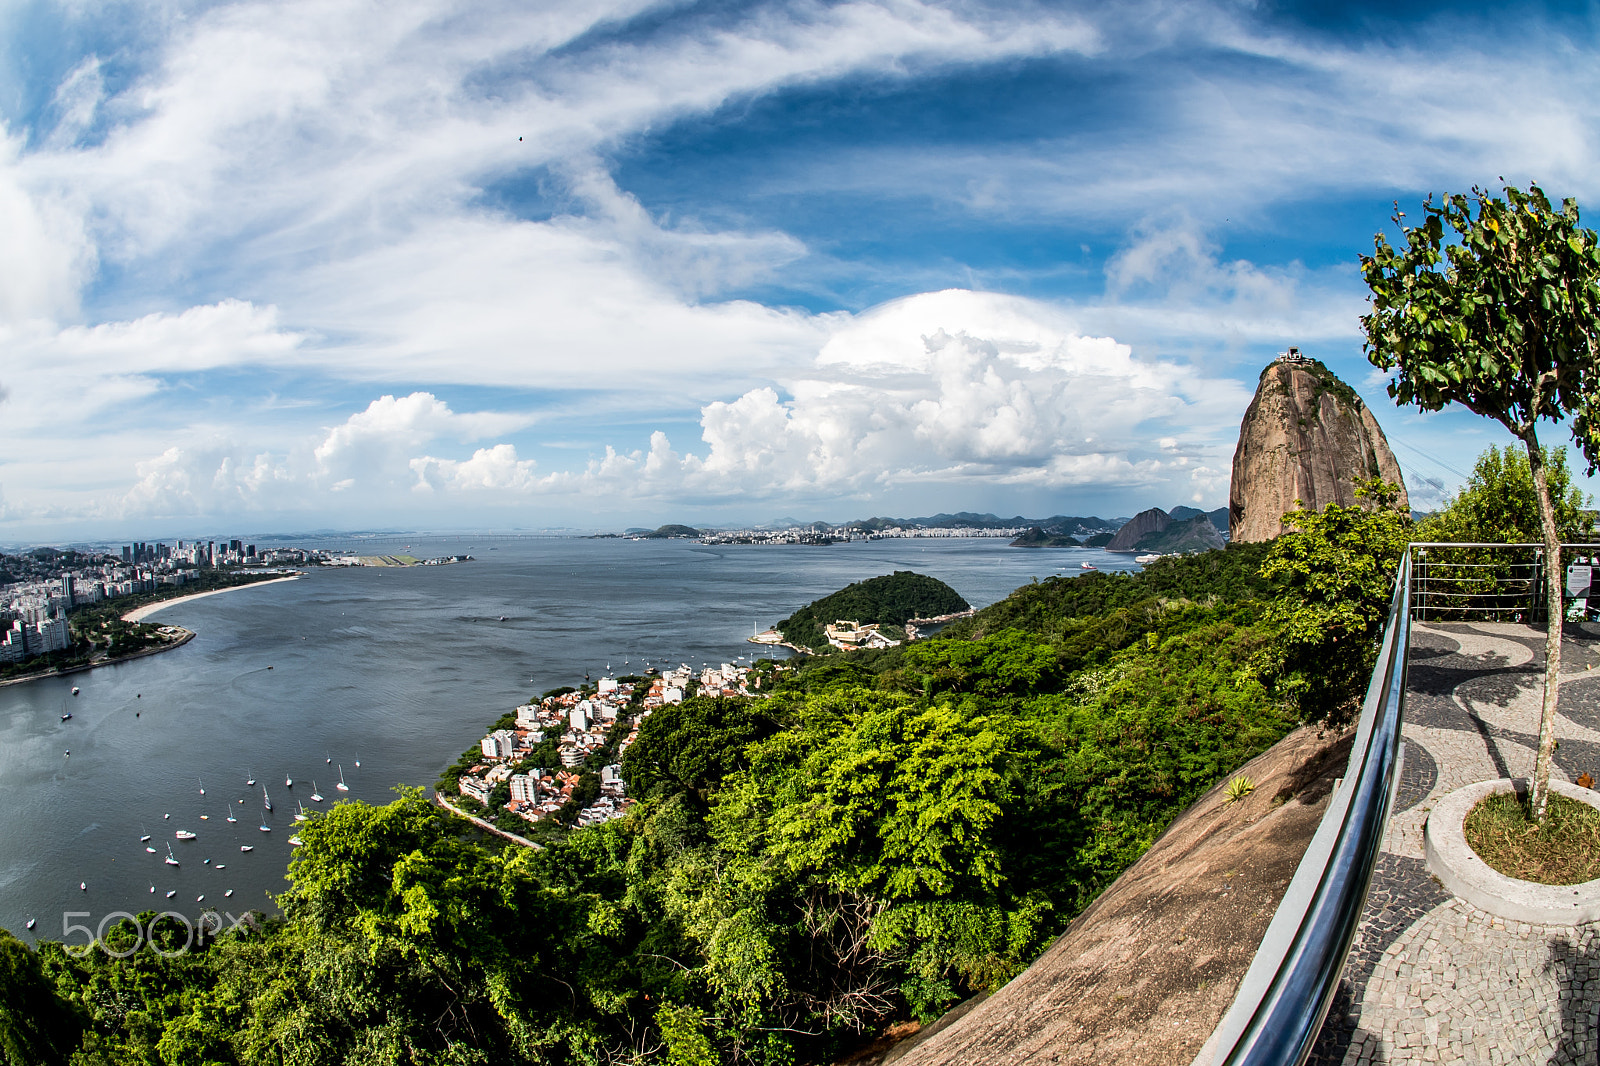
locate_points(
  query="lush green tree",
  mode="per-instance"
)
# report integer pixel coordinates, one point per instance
(1495, 305)
(36, 1027)
(1499, 505)
(1336, 568)
(690, 746)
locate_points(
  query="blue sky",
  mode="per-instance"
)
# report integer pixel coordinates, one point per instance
(286, 266)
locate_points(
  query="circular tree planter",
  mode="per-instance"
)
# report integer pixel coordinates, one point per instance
(1465, 875)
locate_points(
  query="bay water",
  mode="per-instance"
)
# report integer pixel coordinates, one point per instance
(398, 670)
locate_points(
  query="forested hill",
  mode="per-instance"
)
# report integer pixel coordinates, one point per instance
(893, 599)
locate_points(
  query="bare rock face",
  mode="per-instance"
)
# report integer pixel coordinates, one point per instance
(1155, 520)
(1308, 437)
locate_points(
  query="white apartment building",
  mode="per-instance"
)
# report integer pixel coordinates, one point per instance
(525, 787)
(499, 744)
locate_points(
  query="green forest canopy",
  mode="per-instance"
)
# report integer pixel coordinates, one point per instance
(893, 599)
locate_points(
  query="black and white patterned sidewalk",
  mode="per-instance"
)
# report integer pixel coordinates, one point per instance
(1431, 978)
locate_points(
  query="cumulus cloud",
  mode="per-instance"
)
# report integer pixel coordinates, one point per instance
(942, 388)
(370, 447)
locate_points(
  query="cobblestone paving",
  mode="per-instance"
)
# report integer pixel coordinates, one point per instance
(1431, 978)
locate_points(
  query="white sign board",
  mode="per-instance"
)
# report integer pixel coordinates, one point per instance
(1578, 579)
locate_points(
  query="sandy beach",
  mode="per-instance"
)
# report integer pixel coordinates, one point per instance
(139, 614)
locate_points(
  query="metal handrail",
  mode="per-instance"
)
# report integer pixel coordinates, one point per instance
(1283, 1000)
(1284, 997)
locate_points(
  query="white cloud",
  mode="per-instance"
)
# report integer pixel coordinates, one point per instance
(496, 468)
(942, 388)
(372, 448)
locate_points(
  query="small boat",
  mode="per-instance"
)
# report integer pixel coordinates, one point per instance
(164, 817)
(184, 834)
(245, 847)
(208, 862)
(502, 618)
(266, 800)
(269, 668)
(228, 893)
(295, 840)
(222, 866)
(288, 782)
(1088, 566)
(202, 787)
(82, 887)
(316, 797)
(301, 816)
(329, 760)
(148, 848)
(74, 690)
(249, 780)
(171, 893)
(68, 754)
(341, 786)
(171, 859)
(31, 924)
(231, 818)
(66, 716)
(145, 839)
(264, 827)
(358, 763)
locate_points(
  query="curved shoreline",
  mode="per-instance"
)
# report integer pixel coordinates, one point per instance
(188, 635)
(139, 614)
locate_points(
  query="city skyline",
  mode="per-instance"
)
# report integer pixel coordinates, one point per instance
(319, 266)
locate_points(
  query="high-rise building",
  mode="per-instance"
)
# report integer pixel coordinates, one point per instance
(66, 588)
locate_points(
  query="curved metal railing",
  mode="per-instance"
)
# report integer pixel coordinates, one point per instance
(1284, 997)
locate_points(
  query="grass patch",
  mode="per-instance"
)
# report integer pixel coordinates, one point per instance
(1565, 850)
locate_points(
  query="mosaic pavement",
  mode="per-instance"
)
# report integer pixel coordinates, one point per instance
(1431, 978)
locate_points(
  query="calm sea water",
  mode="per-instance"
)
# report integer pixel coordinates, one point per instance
(399, 669)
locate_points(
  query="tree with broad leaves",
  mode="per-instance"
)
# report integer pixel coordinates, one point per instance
(1495, 305)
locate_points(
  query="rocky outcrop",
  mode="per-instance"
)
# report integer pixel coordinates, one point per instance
(1154, 520)
(1306, 437)
(1195, 535)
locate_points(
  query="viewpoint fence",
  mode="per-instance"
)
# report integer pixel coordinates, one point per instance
(1284, 997)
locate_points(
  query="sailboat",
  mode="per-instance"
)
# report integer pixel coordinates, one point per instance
(288, 782)
(264, 827)
(31, 923)
(202, 787)
(171, 893)
(144, 839)
(358, 762)
(302, 815)
(295, 840)
(246, 847)
(171, 860)
(266, 800)
(228, 893)
(341, 786)
(231, 818)
(149, 849)
(316, 797)
(249, 779)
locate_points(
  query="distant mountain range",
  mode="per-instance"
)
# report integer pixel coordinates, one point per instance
(1054, 526)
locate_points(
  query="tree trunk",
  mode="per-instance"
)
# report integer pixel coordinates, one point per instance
(1554, 586)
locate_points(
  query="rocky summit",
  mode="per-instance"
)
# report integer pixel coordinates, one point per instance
(1306, 437)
